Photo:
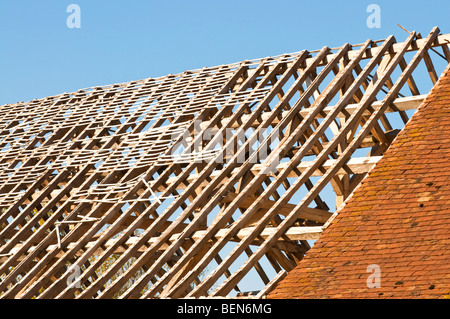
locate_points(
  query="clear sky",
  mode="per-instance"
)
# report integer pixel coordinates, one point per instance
(121, 41)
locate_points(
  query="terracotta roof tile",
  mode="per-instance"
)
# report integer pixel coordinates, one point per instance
(398, 219)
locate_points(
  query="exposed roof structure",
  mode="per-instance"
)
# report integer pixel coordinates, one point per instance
(397, 221)
(202, 183)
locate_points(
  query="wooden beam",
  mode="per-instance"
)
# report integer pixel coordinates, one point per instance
(313, 214)
(293, 234)
(399, 104)
(354, 166)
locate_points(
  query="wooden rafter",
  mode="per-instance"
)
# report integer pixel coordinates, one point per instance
(169, 181)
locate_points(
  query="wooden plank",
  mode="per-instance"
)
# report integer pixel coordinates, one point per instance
(399, 104)
(313, 214)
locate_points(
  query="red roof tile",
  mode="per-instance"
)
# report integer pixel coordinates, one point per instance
(398, 219)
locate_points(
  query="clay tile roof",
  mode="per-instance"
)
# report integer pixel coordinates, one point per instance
(396, 224)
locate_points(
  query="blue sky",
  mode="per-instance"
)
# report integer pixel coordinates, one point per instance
(121, 41)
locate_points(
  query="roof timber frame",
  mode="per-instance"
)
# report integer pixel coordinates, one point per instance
(155, 179)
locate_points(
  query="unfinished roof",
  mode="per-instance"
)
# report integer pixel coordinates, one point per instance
(201, 183)
(397, 222)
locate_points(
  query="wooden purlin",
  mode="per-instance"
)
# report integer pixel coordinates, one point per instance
(100, 166)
